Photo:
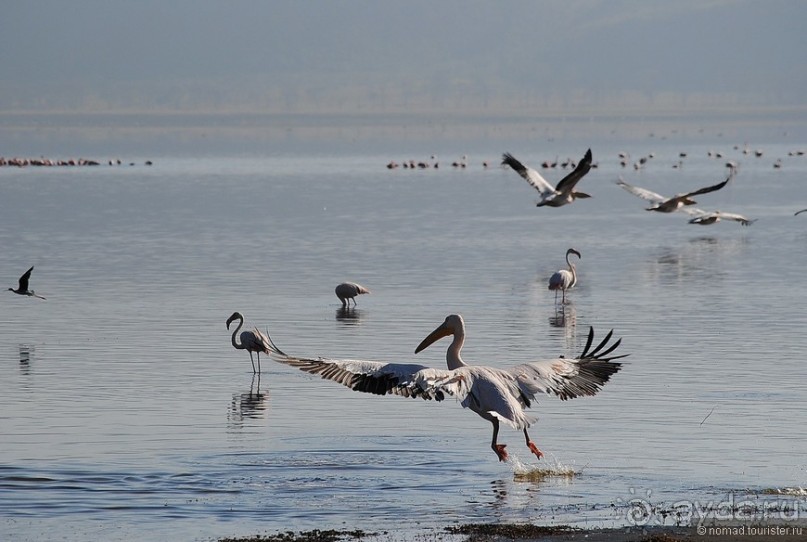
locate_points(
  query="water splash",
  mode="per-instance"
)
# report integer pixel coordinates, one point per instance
(550, 467)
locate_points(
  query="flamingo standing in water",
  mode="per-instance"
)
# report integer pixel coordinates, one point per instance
(565, 278)
(497, 395)
(251, 341)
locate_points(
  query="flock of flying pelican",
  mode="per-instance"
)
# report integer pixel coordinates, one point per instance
(563, 193)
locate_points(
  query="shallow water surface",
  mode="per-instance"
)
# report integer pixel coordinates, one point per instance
(126, 413)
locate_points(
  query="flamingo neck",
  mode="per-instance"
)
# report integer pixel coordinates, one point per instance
(572, 270)
(235, 332)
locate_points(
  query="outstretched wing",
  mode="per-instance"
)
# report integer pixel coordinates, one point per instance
(708, 189)
(570, 378)
(642, 192)
(530, 175)
(567, 184)
(24, 280)
(703, 218)
(407, 380)
(737, 218)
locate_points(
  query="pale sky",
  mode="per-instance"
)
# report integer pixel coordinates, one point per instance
(382, 54)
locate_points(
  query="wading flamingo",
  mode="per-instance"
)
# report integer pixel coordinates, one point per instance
(251, 341)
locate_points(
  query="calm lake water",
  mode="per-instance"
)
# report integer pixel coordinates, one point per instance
(126, 414)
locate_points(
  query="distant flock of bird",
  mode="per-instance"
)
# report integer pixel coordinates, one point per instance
(17, 161)
(624, 160)
(497, 395)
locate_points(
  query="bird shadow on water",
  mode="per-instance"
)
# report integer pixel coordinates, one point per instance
(249, 405)
(693, 261)
(350, 315)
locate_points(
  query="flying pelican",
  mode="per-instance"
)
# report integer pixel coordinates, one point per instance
(668, 205)
(349, 290)
(22, 289)
(251, 341)
(551, 196)
(494, 394)
(565, 278)
(706, 218)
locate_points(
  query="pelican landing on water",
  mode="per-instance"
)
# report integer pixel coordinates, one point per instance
(348, 291)
(565, 278)
(251, 341)
(497, 395)
(552, 196)
(22, 288)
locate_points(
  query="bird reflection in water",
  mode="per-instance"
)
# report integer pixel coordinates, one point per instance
(350, 316)
(565, 316)
(564, 321)
(499, 488)
(696, 262)
(25, 358)
(249, 405)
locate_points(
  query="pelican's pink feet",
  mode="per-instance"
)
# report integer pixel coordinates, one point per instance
(534, 449)
(500, 451)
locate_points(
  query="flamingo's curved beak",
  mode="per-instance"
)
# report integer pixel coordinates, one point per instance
(234, 316)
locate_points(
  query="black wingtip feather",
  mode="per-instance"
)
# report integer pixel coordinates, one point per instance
(602, 344)
(588, 342)
(510, 160)
(598, 354)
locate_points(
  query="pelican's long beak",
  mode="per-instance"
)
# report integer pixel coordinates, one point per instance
(573, 251)
(234, 316)
(442, 331)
